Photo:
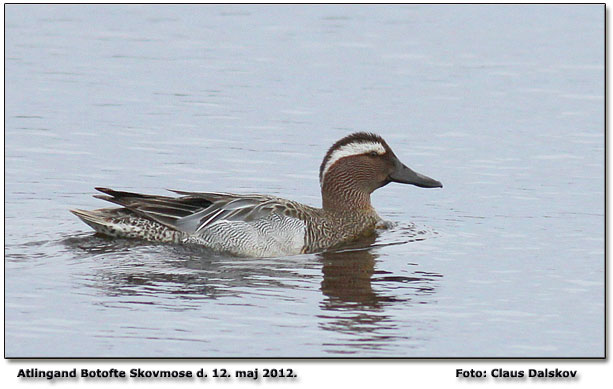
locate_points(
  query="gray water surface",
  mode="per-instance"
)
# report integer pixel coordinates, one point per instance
(502, 103)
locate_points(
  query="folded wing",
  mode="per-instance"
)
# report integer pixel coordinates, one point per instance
(194, 211)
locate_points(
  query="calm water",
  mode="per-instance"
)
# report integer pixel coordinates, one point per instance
(503, 104)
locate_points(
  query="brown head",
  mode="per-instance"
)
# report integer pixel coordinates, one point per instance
(357, 165)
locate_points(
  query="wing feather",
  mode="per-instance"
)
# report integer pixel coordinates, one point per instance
(194, 211)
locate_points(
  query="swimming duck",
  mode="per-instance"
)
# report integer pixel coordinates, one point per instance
(266, 226)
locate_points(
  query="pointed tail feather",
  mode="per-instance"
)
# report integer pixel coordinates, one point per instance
(94, 219)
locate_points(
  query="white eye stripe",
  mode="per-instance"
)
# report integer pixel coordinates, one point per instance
(356, 148)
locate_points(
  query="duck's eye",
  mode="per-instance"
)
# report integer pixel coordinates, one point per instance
(373, 154)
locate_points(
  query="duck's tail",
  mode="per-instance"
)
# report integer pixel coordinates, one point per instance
(99, 220)
(123, 223)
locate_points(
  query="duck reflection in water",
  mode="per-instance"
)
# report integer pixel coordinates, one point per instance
(359, 305)
(348, 275)
(354, 307)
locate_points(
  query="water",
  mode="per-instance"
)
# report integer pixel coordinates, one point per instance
(503, 104)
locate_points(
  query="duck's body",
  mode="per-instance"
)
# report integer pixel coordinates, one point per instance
(245, 225)
(266, 226)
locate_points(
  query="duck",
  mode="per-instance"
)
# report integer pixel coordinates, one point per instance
(255, 225)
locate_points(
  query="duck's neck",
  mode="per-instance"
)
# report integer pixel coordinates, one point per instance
(343, 193)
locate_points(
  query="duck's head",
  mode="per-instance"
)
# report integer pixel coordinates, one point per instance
(362, 162)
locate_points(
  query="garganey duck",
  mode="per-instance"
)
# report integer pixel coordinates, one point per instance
(267, 226)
